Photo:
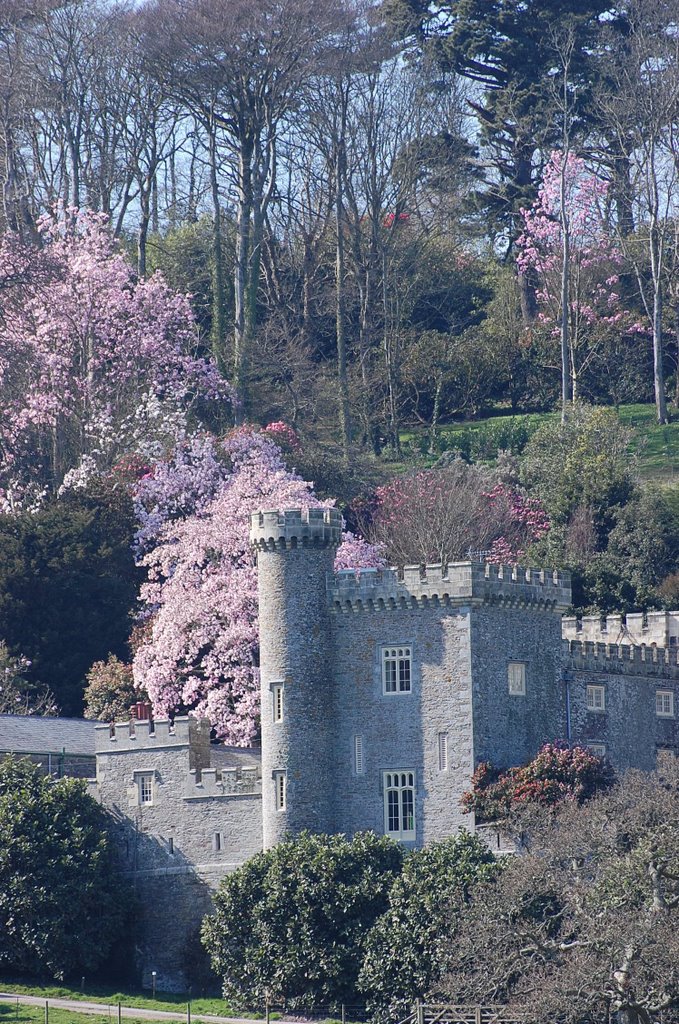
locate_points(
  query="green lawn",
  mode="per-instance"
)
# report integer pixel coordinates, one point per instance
(656, 447)
(111, 996)
(10, 1013)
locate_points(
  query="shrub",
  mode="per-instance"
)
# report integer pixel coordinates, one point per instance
(556, 773)
(290, 925)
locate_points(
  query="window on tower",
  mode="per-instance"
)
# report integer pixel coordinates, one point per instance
(397, 669)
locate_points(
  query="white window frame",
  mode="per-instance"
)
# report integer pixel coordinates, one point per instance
(596, 697)
(145, 788)
(400, 807)
(280, 782)
(664, 703)
(443, 751)
(516, 678)
(359, 759)
(396, 661)
(278, 697)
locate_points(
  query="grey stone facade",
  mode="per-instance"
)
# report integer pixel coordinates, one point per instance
(380, 695)
(180, 825)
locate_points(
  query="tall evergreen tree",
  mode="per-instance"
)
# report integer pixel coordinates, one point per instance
(511, 50)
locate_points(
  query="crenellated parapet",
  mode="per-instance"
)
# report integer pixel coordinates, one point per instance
(627, 659)
(460, 583)
(150, 734)
(314, 527)
(223, 782)
(655, 627)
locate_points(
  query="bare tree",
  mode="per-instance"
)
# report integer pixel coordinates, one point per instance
(239, 67)
(583, 926)
(641, 110)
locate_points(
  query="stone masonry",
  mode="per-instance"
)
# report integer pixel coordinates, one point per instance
(180, 825)
(381, 692)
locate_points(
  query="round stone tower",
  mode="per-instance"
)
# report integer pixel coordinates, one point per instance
(295, 554)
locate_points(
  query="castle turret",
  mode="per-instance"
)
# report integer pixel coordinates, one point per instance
(295, 554)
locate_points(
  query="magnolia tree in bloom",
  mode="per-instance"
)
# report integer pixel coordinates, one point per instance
(566, 244)
(199, 651)
(94, 364)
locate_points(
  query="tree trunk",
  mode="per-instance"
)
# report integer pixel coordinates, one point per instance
(523, 179)
(658, 369)
(142, 233)
(340, 320)
(218, 289)
(241, 277)
(566, 355)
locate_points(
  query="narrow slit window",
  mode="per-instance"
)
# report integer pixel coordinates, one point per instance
(280, 790)
(358, 755)
(443, 751)
(217, 842)
(278, 703)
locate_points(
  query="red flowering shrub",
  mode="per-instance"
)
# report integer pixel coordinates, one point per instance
(556, 773)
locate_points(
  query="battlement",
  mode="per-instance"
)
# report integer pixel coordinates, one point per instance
(313, 527)
(661, 628)
(150, 735)
(581, 655)
(455, 584)
(223, 782)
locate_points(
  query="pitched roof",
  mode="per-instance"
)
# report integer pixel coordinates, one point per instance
(31, 734)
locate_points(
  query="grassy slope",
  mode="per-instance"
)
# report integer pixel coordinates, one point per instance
(656, 447)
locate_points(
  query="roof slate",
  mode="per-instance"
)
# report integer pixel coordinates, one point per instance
(36, 735)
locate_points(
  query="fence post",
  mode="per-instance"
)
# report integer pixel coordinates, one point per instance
(47, 1012)
(344, 1014)
(267, 1011)
(477, 1015)
(188, 1012)
(419, 1010)
(120, 1013)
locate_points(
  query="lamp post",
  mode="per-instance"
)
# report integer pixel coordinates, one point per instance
(153, 984)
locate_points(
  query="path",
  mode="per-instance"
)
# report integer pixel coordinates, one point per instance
(111, 1010)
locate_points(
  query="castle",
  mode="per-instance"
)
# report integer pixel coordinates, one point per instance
(381, 692)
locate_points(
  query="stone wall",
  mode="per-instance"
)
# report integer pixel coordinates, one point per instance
(401, 730)
(510, 728)
(628, 726)
(659, 628)
(201, 823)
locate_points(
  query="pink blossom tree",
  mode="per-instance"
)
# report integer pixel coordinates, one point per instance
(94, 364)
(567, 245)
(199, 653)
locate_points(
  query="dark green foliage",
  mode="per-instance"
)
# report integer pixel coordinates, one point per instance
(510, 48)
(290, 925)
(62, 906)
(406, 950)
(67, 586)
(642, 550)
